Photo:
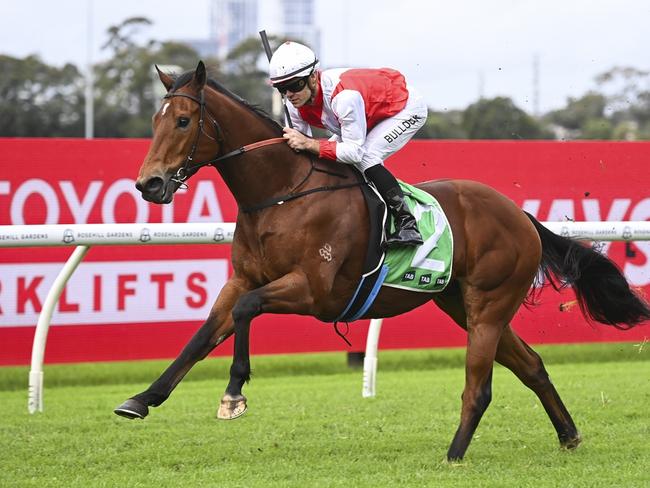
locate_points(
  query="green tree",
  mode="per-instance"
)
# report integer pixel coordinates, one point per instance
(500, 118)
(246, 71)
(124, 94)
(628, 96)
(37, 100)
(442, 125)
(597, 128)
(618, 109)
(579, 111)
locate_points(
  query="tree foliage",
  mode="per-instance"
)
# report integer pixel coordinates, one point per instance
(619, 109)
(579, 111)
(443, 125)
(124, 84)
(38, 100)
(500, 118)
(246, 71)
(245, 76)
(41, 100)
(629, 100)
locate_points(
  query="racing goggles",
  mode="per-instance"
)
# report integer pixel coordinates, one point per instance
(294, 86)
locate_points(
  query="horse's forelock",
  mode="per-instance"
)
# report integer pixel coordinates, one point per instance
(181, 80)
(184, 78)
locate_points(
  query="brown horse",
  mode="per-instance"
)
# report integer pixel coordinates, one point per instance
(292, 206)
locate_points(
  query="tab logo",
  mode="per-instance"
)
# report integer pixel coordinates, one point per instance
(408, 276)
(425, 279)
(440, 281)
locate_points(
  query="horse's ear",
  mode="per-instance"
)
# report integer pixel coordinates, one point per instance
(167, 80)
(200, 76)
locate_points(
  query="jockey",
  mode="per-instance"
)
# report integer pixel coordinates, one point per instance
(372, 114)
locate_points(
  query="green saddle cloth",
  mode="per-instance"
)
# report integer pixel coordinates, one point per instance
(425, 268)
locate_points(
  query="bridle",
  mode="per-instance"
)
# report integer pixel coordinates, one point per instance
(189, 166)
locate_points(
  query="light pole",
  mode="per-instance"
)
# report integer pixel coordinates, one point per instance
(90, 102)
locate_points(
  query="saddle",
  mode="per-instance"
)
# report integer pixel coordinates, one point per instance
(425, 268)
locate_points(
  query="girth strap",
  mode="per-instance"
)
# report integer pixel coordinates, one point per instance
(292, 196)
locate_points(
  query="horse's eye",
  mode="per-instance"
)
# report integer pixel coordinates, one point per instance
(182, 122)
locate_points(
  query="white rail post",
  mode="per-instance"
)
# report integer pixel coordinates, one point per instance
(35, 400)
(370, 360)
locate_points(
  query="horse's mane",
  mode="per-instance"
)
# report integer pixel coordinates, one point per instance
(184, 78)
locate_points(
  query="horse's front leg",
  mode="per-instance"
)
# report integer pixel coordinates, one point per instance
(217, 328)
(289, 294)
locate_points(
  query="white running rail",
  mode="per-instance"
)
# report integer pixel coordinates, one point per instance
(85, 235)
(590, 231)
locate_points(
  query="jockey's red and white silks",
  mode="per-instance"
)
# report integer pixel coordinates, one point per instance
(371, 112)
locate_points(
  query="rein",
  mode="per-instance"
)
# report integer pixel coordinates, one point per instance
(190, 167)
(292, 195)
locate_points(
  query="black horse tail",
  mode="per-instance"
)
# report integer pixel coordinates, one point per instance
(603, 293)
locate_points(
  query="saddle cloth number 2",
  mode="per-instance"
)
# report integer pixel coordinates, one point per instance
(420, 259)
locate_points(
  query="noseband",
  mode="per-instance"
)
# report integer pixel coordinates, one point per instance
(189, 166)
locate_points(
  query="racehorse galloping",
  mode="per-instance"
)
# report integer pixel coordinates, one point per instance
(498, 250)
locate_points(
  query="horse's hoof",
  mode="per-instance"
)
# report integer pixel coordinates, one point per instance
(132, 409)
(231, 407)
(572, 443)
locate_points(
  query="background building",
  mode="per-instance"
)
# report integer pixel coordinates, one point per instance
(232, 21)
(298, 22)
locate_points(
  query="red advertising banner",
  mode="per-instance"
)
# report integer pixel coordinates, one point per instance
(133, 302)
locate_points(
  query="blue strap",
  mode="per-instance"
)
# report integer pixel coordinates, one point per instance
(344, 313)
(373, 294)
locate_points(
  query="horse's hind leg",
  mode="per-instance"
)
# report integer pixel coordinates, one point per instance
(481, 350)
(484, 309)
(527, 365)
(484, 331)
(513, 353)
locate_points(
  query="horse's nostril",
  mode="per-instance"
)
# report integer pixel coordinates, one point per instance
(151, 186)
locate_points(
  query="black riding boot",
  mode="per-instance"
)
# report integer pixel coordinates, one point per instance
(406, 228)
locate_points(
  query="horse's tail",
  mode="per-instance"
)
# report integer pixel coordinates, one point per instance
(603, 293)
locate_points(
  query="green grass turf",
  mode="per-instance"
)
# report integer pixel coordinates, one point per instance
(307, 425)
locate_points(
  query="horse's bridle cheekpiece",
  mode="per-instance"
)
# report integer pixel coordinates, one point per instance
(190, 167)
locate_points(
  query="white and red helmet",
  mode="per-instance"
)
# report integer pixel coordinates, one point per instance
(291, 60)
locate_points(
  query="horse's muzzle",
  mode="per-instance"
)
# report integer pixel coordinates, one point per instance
(156, 190)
